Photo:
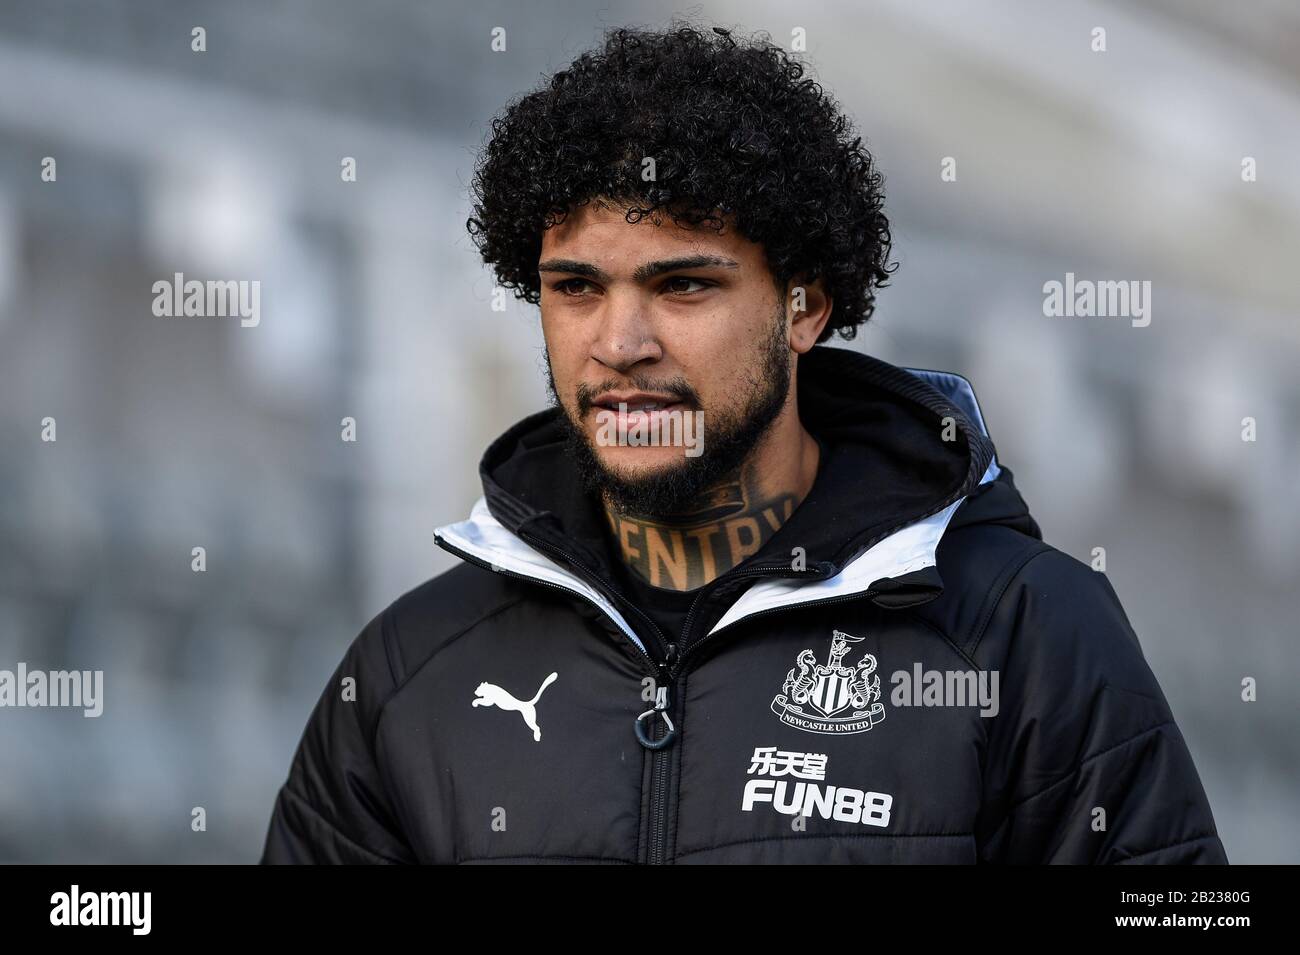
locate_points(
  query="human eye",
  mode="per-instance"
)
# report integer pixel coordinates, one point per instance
(679, 285)
(573, 288)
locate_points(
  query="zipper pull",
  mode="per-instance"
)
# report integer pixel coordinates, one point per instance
(643, 722)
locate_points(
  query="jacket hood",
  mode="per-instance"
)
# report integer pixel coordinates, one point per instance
(903, 451)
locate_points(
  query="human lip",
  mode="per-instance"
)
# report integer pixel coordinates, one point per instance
(633, 411)
(627, 402)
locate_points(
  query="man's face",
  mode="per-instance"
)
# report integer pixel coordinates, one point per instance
(643, 321)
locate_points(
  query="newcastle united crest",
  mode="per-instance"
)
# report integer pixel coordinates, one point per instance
(831, 697)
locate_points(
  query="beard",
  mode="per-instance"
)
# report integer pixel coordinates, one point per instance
(733, 434)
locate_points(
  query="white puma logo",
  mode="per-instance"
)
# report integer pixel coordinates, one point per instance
(489, 694)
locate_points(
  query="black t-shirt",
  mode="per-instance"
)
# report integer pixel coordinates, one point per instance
(667, 608)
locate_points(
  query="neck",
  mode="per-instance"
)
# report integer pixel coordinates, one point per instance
(733, 520)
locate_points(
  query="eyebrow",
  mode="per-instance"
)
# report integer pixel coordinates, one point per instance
(642, 273)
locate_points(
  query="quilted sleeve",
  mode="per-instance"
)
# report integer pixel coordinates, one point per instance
(1084, 762)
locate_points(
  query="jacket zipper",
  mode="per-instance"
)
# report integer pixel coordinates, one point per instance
(659, 763)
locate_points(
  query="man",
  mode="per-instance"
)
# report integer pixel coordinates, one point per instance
(739, 596)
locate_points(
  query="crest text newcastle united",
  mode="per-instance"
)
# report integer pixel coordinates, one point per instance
(832, 697)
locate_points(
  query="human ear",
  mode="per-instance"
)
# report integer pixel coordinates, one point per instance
(808, 307)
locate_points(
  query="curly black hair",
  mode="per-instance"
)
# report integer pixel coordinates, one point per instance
(734, 128)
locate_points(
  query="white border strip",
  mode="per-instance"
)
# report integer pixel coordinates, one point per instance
(484, 537)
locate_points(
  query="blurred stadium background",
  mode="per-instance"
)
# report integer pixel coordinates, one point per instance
(225, 164)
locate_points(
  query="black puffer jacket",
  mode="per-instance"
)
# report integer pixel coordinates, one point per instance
(514, 709)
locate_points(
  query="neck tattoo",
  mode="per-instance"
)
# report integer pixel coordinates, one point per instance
(689, 550)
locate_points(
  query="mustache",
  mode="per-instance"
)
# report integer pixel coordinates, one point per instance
(678, 388)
